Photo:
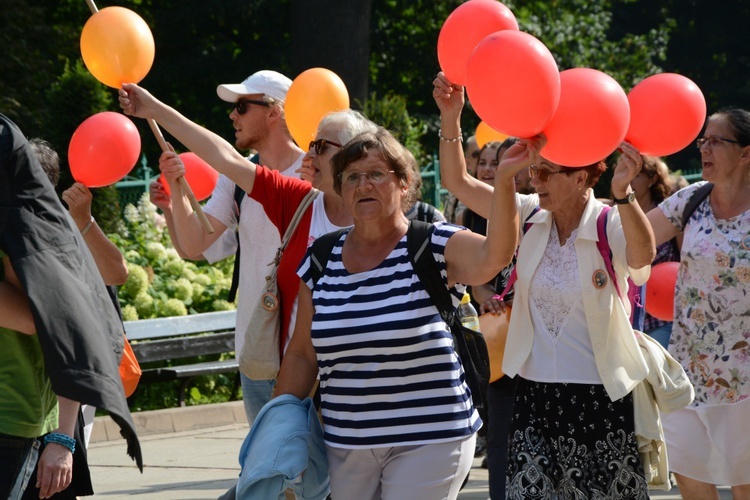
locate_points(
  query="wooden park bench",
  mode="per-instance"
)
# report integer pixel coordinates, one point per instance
(179, 337)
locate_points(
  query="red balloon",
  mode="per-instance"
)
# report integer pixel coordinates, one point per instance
(462, 31)
(103, 149)
(667, 112)
(513, 83)
(591, 119)
(200, 176)
(660, 290)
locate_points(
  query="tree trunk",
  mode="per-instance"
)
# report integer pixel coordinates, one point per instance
(333, 34)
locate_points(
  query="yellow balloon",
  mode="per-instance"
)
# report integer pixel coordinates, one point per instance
(117, 46)
(485, 134)
(312, 95)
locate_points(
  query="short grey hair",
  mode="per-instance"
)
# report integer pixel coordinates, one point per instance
(350, 124)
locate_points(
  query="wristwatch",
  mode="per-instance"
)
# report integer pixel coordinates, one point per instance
(629, 198)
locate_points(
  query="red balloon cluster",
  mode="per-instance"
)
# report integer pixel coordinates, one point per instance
(660, 290)
(200, 176)
(514, 85)
(103, 149)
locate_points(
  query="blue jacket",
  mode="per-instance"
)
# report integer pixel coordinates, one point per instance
(284, 449)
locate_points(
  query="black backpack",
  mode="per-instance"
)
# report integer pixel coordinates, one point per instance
(469, 344)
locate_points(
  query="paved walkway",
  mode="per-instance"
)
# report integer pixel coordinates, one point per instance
(192, 452)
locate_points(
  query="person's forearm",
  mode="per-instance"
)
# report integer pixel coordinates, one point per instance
(212, 148)
(169, 219)
(68, 416)
(109, 260)
(186, 229)
(640, 248)
(453, 175)
(502, 223)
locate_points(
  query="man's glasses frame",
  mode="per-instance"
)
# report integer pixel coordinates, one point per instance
(241, 104)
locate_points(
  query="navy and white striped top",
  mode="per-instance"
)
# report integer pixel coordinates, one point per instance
(388, 373)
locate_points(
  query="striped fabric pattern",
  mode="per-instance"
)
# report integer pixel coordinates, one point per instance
(388, 373)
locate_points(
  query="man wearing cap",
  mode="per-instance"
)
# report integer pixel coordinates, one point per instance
(260, 125)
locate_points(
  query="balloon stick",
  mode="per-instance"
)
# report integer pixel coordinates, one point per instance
(183, 183)
(165, 147)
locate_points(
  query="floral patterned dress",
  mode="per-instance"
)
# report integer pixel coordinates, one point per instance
(711, 334)
(711, 339)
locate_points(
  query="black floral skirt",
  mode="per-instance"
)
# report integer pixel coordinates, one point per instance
(570, 441)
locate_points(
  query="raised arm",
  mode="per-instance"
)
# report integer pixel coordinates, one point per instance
(109, 260)
(660, 225)
(453, 175)
(217, 152)
(640, 247)
(159, 197)
(473, 259)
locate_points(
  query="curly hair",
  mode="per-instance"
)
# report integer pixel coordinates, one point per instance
(656, 170)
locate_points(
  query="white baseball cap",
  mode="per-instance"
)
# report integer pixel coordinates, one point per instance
(270, 83)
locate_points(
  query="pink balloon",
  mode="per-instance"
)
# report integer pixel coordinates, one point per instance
(467, 25)
(103, 149)
(513, 83)
(591, 119)
(667, 112)
(200, 176)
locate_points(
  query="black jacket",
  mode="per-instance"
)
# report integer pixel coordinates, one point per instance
(79, 330)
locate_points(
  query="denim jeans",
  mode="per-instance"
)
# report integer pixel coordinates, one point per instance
(662, 335)
(255, 394)
(18, 456)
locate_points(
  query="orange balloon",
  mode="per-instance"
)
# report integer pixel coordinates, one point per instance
(117, 46)
(462, 31)
(200, 176)
(485, 134)
(312, 95)
(103, 149)
(660, 290)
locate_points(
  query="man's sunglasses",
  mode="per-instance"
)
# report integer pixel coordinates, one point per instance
(320, 145)
(241, 104)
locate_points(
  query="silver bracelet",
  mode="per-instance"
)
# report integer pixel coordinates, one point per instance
(87, 227)
(455, 139)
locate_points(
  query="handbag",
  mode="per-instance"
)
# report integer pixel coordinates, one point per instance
(130, 370)
(260, 358)
(494, 327)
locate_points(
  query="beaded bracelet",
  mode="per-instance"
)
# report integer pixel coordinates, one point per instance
(61, 439)
(455, 139)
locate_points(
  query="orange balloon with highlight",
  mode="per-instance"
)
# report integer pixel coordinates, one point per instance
(312, 95)
(117, 46)
(485, 134)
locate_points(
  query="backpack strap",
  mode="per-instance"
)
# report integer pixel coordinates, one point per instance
(418, 238)
(696, 199)
(320, 252)
(239, 195)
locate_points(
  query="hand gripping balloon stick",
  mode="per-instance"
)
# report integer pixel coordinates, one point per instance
(129, 66)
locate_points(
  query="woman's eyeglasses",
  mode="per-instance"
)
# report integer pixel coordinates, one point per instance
(712, 142)
(241, 104)
(544, 175)
(375, 176)
(321, 145)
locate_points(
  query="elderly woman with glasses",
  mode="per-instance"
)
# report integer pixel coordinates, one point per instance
(708, 441)
(398, 417)
(570, 344)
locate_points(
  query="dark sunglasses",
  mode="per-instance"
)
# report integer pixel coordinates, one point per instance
(320, 145)
(241, 104)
